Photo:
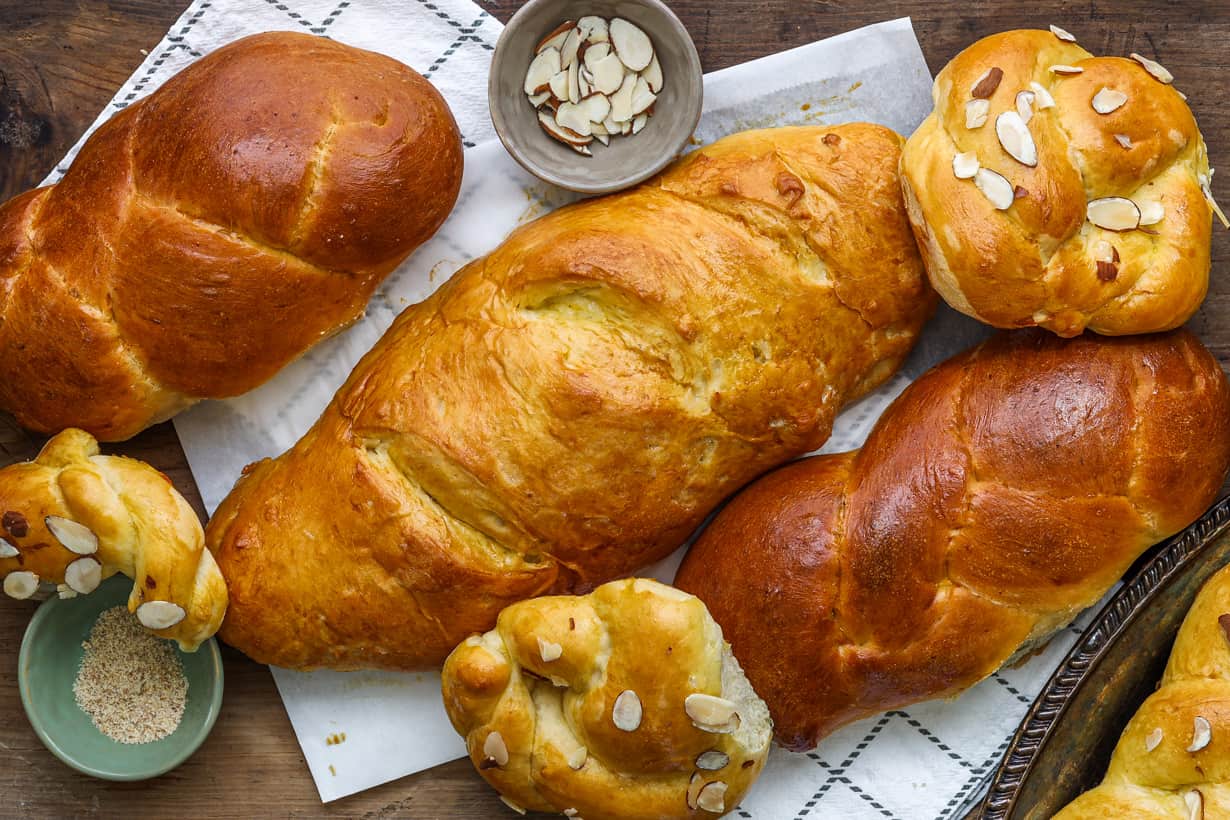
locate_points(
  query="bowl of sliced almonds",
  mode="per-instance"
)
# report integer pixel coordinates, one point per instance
(595, 96)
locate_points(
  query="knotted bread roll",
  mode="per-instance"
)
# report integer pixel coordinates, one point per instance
(210, 233)
(73, 517)
(1001, 493)
(569, 408)
(1173, 760)
(619, 705)
(1054, 188)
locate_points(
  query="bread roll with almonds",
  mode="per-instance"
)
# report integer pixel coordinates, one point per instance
(618, 705)
(73, 517)
(569, 408)
(212, 232)
(1054, 188)
(1003, 492)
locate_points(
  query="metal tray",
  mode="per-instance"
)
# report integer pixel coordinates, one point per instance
(1064, 744)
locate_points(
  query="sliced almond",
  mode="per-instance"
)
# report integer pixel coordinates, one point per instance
(653, 75)
(568, 51)
(577, 758)
(642, 97)
(1106, 271)
(610, 126)
(598, 129)
(1194, 800)
(712, 760)
(548, 650)
(626, 713)
(20, 585)
(1153, 739)
(511, 805)
(573, 117)
(639, 122)
(495, 749)
(75, 537)
(625, 128)
(985, 85)
(1207, 190)
(160, 614)
(1202, 733)
(595, 54)
(631, 44)
(596, 107)
(1114, 213)
(558, 85)
(543, 67)
(1155, 68)
(574, 84)
(694, 786)
(83, 575)
(712, 797)
(976, 113)
(1151, 212)
(1124, 140)
(621, 100)
(1066, 70)
(556, 38)
(603, 138)
(608, 74)
(1062, 35)
(65, 592)
(1025, 105)
(965, 165)
(710, 713)
(585, 84)
(593, 29)
(1014, 136)
(538, 99)
(7, 550)
(1108, 100)
(995, 188)
(1043, 99)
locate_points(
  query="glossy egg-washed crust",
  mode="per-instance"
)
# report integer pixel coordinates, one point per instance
(1036, 262)
(212, 232)
(145, 530)
(1001, 493)
(630, 635)
(570, 407)
(1154, 778)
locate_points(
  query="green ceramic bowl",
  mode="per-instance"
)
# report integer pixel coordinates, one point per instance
(47, 667)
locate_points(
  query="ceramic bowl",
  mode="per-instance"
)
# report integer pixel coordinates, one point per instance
(628, 160)
(50, 656)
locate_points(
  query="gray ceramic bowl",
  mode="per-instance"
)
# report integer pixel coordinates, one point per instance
(628, 160)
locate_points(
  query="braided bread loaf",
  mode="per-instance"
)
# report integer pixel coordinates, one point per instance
(74, 517)
(1054, 188)
(570, 407)
(624, 703)
(1171, 761)
(212, 232)
(1003, 491)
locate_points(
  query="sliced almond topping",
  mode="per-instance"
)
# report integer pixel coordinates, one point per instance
(1114, 213)
(712, 760)
(1124, 140)
(1066, 70)
(549, 651)
(626, 713)
(1158, 71)
(511, 805)
(545, 66)
(1106, 251)
(75, 537)
(694, 786)
(1182, 96)
(7, 550)
(995, 188)
(574, 118)
(631, 44)
(1195, 804)
(712, 797)
(577, 758)
(568, 51)
(20, 585)
(1108, 100)
(556, 38)
(1202, 733)
(495, 749)
(1014, 136)
(965, 165)
(621, 100)
(1044, 98)
(976, 113)
(987, 83)
(160, 614)
(593, 29)
(1153, 739)
(64, 591)
(1151, 212)
(711, 714)
(1205, 188)
(1062, 35)
(653, 75)
(571, 813)
(83, 575)
(1107, 271)
(1025, 105)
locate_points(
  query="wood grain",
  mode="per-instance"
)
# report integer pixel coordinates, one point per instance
(60, 63)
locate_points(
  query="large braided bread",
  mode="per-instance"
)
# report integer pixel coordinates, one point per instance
(570, 407)
(210, 233)
(1003, 492)
(1173, 760)
(73, 517)
(1108, 140)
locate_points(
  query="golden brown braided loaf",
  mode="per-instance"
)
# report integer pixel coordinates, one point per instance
(73, 517)
(1172, 759)
(619, 705)
(211, 233)
(1003, 492)
(1054, 188)
(570, 407)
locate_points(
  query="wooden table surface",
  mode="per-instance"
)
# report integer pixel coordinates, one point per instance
(60, 62)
